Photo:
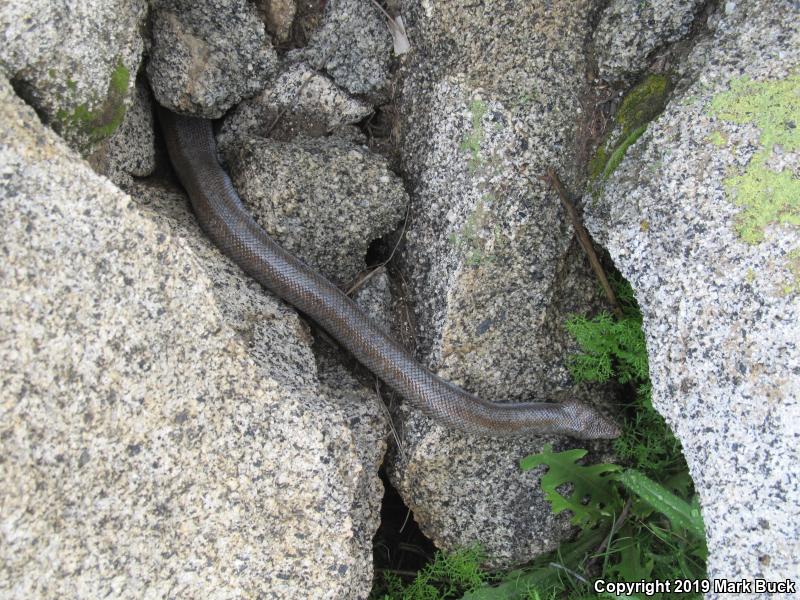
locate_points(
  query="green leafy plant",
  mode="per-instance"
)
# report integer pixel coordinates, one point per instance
(637, 523)
(681, 514)
(639, 520)
(449, 575)
(590, 497)
(638, 530)
(615, 349)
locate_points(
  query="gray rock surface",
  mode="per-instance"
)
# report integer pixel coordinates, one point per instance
(131, 150)
(353, 45)
(165, 430)
(374, 296)
(207, 55)
(75, 61)
(490, 260)
(278, 16)
(713, 259)
(323, 199)
(298, 101)
(630, 30)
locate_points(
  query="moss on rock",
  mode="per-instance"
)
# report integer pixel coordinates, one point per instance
(639, 106)
(91, 125)
(472, 141)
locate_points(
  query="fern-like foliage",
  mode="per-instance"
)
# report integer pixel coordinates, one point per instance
(611, 348)
(449, 575)
(615, 349)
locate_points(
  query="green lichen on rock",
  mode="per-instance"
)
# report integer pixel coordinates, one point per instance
(88, 126)
(765, 195)
(716, 138)
(472, 141)
(793, 265)
(469, 240)
(768, 197)
(640, 105)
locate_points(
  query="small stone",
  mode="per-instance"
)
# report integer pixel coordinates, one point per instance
(298, 101)
(317, 198)
(201, 51)
(353, 45)
(75, 61)
(279, 15)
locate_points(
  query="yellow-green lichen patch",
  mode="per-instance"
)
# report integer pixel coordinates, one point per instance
(90, 126)
(640, 106)
(469, 240)
(717, 138)
(472, 141)
(793, 265)
(766, 196)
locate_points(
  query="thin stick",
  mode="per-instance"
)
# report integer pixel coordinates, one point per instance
(584, 239)
(577, 576)
(405, 521)
(623, 516)
(388, 416)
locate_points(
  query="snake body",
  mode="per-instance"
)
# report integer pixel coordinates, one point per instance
(192, 149)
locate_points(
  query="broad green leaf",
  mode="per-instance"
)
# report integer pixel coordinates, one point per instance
(679, 512)
(593, 494)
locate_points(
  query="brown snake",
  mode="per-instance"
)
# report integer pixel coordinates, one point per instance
(192, 150)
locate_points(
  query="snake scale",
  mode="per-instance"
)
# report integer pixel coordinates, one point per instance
(192, 149)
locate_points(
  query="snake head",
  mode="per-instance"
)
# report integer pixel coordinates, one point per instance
(588, 423)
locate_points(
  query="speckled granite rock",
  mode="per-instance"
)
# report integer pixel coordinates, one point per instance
(490, 260)
(131, 151)
(298, 101)
(165, 431)
(630, 30)
(75, 61)
(278, 16)
(207, 55)
(353, 45)
(702, 217)
(322, 199)
(374, 296)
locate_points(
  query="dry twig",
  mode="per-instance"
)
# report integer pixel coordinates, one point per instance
(584, 239)
(623, 516)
